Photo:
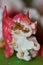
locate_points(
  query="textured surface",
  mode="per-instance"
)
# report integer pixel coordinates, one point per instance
(15, 61)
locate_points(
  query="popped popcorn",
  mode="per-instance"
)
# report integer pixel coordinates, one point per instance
(18, 38)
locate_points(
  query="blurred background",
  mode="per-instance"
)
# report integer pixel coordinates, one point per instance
(35, 8)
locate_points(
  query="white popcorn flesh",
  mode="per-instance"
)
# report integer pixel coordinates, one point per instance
(23, 44)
